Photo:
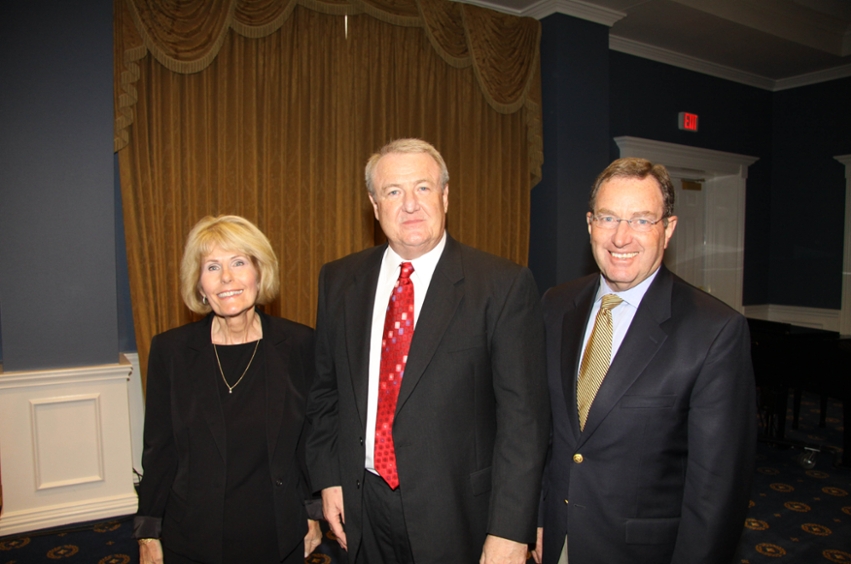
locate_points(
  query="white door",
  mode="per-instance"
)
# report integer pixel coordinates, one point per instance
(687, 248)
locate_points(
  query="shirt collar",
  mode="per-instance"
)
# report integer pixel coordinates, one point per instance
(423, 265)
(633, 296)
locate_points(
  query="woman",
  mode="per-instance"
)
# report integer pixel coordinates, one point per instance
(224, 476)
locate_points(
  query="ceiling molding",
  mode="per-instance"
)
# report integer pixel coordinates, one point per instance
(812, 78)
(543, 8)
(673, 58)
(575, 8)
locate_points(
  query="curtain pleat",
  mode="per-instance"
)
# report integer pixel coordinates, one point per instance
(278, 128)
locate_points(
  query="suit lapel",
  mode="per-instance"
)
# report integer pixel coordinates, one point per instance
(203, 369)
(445, 292)
(280, 394)
(642, 341)
(359, 304)
(573, 332)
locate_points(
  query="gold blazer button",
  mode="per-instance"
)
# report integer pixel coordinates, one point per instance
(577, 458)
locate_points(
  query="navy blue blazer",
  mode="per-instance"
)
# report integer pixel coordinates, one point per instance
(662, 471)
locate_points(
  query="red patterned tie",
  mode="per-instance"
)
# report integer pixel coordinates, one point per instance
(395, 342)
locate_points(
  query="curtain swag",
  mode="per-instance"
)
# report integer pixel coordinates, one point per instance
(185, 36)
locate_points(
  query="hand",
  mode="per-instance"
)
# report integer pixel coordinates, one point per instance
(151, 552)
(498, 550)
(313, 537)
(538, 553)
(332, 508)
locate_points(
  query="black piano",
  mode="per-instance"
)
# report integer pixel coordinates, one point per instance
(788, 357)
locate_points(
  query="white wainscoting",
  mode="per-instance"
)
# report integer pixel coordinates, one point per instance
(817, 318)
(65, 446)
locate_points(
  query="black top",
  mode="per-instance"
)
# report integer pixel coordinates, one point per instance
(249, 513)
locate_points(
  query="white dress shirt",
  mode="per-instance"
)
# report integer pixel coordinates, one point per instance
(421, 277)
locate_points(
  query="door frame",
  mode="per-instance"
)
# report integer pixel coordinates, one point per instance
(730, 172)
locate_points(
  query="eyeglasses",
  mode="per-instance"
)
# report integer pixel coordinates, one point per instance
(641, 224)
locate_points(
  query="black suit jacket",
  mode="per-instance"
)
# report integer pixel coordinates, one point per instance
(472, 418)
(667, 453)
(183, 488)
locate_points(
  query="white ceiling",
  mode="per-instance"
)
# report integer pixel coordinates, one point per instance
(771, 44)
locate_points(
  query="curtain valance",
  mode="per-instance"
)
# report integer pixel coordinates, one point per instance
(186, 36)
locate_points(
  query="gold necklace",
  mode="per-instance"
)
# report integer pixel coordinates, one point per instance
(244, 372)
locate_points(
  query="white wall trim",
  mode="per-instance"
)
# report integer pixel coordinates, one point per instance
(845, 317)
(661, 55)
(683, 156)
(543, 8)
(14, 522)
(65, 446)
(817, 318)
(812, 78)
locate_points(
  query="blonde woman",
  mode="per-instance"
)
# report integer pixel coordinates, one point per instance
(224, 475)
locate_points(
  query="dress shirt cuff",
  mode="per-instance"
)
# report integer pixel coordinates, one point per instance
(314, 509)
(147, 527)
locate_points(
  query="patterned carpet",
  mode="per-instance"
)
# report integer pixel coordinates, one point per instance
(796, 515)
(799, 515)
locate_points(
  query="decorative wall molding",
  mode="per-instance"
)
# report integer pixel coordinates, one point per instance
(684, 156)
(55, 442)
(65, 447)
(817, 318)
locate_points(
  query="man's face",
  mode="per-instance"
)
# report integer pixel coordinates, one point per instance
(626, 257)
(409, 202)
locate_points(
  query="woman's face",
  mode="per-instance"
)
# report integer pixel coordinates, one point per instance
(229, 280)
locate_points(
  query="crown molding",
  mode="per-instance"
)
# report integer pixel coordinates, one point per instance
(687, 62)
(812, 78)
(544, 8)
(673, 58)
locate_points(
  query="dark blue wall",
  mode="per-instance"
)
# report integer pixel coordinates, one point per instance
(575, 86)
(646, 97)
(812, 124)
(57, 220)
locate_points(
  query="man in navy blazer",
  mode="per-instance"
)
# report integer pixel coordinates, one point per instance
(660, 470)
(471, 423)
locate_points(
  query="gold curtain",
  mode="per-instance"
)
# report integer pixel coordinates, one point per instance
(269, 109)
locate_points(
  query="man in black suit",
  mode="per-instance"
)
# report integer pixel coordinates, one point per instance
(451, 472)
(654, 423)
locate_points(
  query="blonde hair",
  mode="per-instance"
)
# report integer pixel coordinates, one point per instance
(405, 146)
(231, 233)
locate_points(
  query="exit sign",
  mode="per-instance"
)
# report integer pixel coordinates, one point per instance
(687, 121)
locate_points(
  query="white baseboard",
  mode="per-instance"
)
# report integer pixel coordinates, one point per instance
(817, 318)
(48, 517)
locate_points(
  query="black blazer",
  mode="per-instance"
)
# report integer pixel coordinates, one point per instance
(472, 419)
(667, 453)
(183, 488)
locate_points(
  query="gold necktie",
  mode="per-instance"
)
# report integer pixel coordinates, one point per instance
(597, 357)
